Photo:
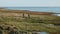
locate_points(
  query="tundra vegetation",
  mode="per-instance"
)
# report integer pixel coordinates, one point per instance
(28, 22)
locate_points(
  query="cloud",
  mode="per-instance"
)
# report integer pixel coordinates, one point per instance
(48, 3)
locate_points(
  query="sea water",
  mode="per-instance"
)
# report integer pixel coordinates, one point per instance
(38, 9)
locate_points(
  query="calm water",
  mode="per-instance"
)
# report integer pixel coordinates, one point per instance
(39, 9)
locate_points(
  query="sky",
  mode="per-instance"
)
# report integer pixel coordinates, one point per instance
(29, 3)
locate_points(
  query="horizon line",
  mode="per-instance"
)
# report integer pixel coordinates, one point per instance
(32, 6)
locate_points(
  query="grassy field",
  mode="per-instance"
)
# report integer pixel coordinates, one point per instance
(30, 23)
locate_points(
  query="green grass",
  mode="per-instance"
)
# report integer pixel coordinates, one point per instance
(33, 23)
(26, 24)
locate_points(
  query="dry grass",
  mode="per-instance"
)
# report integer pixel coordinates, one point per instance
(12, 19)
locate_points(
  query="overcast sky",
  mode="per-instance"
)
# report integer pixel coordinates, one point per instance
(29, 3)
